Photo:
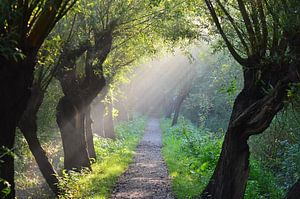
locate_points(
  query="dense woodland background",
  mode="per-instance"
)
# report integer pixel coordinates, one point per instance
(78, 80)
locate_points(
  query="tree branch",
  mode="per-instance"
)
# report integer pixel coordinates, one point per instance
(230, 47)
(238, 32)
(248, 24)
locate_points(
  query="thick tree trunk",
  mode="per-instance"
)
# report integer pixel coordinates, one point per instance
(109, 131)
(230, 177)
(89, 133)
(8, 125)
(70, 120)
(15, 81)
(231, 173)
(252, 113)
(294, 192)
(28, 127)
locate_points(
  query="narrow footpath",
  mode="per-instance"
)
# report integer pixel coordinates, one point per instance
(147, 175)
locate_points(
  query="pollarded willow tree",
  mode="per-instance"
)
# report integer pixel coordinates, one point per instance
(103, 27)
(263, 37)
(24, 25)
(81, 73)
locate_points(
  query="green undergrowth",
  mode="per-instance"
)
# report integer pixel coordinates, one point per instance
(191, 155)
(113, 157)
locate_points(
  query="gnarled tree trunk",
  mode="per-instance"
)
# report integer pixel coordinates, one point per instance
(79, 93)
(252, 113)
(70, 119)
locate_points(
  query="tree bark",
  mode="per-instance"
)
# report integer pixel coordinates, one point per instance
(89, 133)
(70, 119)
(7, 140)
(231, 173)
(28, 127)
(15, 81)
(252, 113)
(79, 93)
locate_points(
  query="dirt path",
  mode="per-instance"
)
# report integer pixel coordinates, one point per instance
(147, 176)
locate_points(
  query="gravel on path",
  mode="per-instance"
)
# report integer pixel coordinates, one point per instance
(147, 176)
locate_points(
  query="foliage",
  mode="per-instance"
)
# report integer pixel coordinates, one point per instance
(27, 24)
(113, 158)
(217, 82)
(6, 190)
(142, 29)
(191, 155)
(280, 151)
(262, 183)
(47, 126)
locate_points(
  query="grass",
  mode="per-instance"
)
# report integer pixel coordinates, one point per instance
(190, 167)
(113, 159)
(191, 155)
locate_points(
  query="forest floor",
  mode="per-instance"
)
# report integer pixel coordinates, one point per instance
(147, 176)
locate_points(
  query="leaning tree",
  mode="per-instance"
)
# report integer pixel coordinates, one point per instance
(24, 27)
(263, 37)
